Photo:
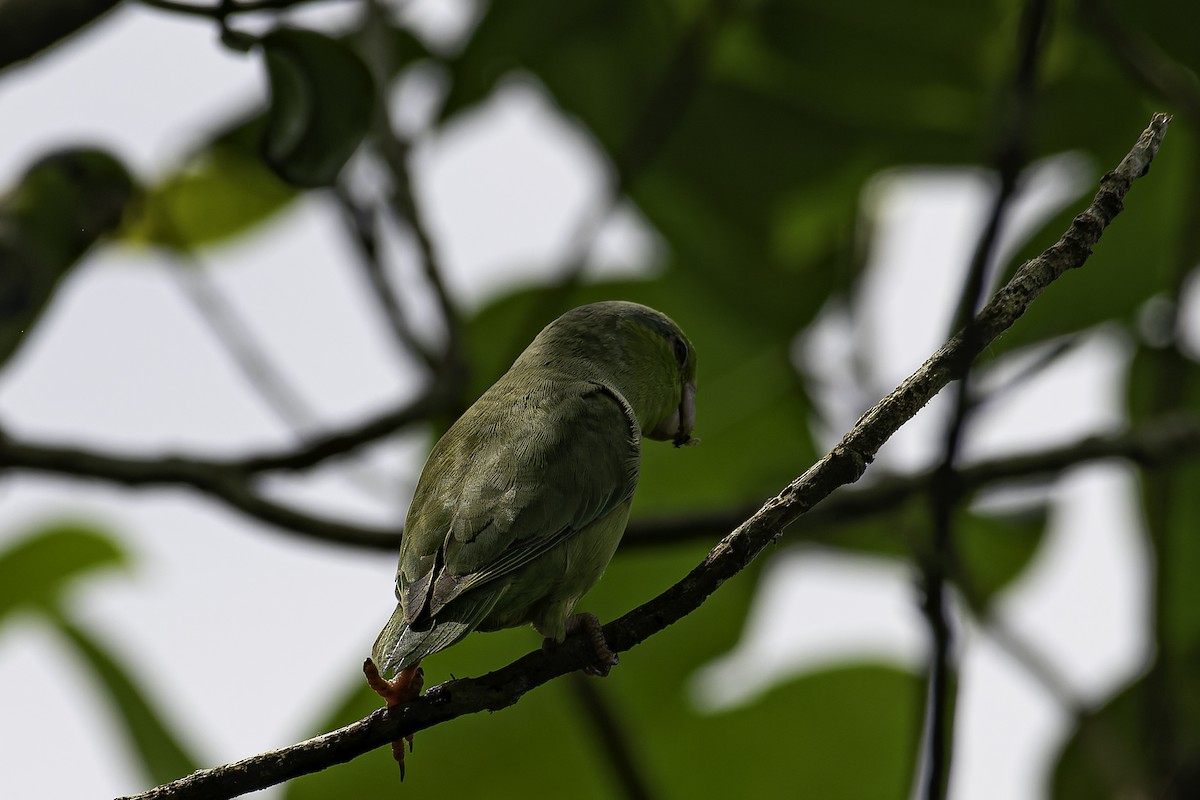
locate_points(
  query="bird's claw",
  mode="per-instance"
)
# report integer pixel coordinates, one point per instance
(605, 659)
(601, 668)
(405, 686)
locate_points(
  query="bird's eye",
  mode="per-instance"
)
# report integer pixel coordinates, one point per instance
(681, 350)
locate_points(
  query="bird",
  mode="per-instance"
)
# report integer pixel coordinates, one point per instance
(523, 501)
(62, 205)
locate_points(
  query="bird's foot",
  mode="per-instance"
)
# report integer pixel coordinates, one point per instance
(593, 632)
(405, 686)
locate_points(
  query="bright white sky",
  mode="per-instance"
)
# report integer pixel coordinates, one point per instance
(122, 360)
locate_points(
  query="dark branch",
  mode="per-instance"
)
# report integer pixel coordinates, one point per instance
(658, 117)
(212, 478)
(844, 464)
(940, 560)
(1156, 443)
(225, 8)
(436, 399)
(360, 221)
(231, 481)
(1161, 442)
(394, 150)
(236, 337)
(612, 739)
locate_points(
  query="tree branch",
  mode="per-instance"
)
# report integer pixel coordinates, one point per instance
(394, 150)
(231, 480)
(378, 48)
(613, 741)
(1164, 441)
(844, 464)
(437, 398)
(360, 221)
(237, 338)
(1170, 381)
(213, 478)
(656, 120)
(224, 8)
(945, 493)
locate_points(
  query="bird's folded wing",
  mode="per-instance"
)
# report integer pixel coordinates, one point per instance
(510, 485)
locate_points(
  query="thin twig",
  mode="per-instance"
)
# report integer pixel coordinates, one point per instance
(611, 736)
(377, 46)
(1159, 442)
(658, 117)
(231, 480)
(361, 223)
(845, 463)
(211, 478)
(1166, 390)
(225, 8)
(1156, 443)
(282, 397)
(239, 341)
(394, 149)
(438, 397)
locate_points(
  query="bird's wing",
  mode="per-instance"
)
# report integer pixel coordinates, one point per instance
(510, 484)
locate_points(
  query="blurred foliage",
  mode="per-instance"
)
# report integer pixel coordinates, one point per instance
(744, 133)
(220, 191)
(37, 573)
(322, 104)
(63, 204)
(37, 569)
(155, 746)
(29, 26)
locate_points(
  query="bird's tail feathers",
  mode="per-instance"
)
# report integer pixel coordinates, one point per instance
(401, 645)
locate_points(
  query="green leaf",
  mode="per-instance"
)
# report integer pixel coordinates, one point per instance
(597, 58)
(1144, 742)
(1163, 381)
(841, 733)
(322, 105)
(160, 753)
(1121, 749)
(995, 548)
(820, 725)
(222, 190)
(64, 204)
(30, 26)
(36, 570)
(35, 573)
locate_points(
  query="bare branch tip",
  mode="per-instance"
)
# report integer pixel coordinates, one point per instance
(1152, 137)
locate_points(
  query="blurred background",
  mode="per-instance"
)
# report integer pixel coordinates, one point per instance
(255, 256)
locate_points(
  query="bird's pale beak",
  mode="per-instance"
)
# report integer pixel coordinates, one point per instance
(678, 427)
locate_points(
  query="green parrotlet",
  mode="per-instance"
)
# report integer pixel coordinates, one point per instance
(63, 204)
(523, 501)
